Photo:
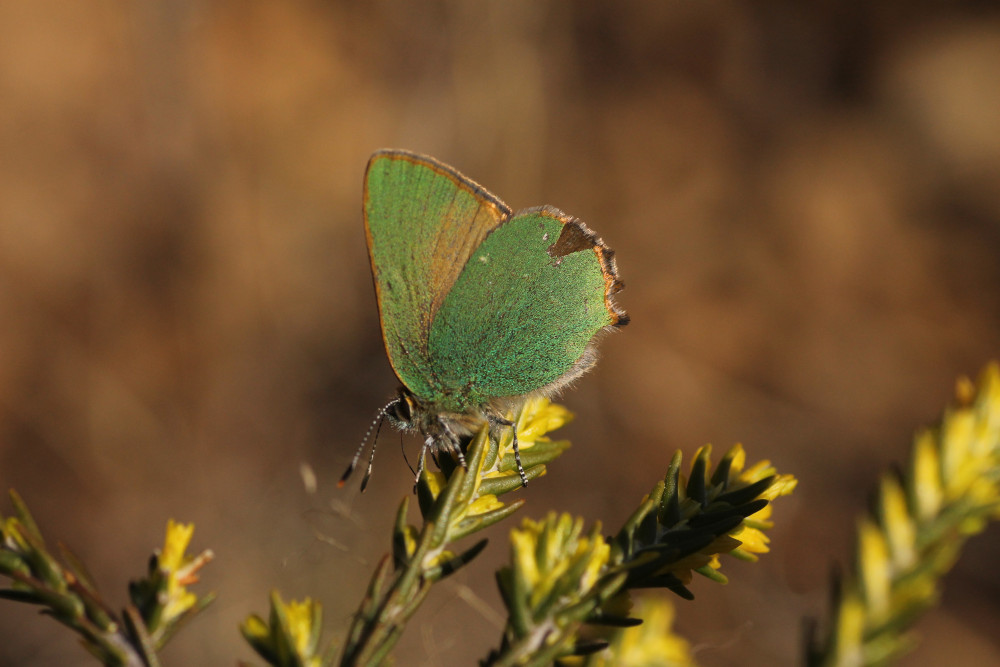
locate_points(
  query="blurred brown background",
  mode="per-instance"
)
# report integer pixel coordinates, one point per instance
(804, 198)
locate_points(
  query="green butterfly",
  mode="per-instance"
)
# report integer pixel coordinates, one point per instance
(479, 308)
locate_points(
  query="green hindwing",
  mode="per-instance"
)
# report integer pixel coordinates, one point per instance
(518, 318)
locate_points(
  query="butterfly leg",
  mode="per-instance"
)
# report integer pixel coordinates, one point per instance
(496, 419)
(454, 443)
(422, 461)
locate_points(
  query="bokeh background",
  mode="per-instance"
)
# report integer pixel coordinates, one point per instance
(804, 199)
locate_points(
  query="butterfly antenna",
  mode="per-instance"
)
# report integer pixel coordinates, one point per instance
(375, 426)
(371, 458)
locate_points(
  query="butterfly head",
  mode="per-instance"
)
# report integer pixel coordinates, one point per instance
(404, 412)
(408, 414)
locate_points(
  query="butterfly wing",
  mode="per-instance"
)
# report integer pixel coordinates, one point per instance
(525, 312)
(423, 221)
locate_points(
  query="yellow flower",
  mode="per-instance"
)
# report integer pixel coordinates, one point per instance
(484, 504)
(918, 527)
(290, 636)
(303, 619)
(751, 534)
(652, 644)
(537, 418)
(180, 570)
(752, 541)
(435, 481)
(176, 543)
(552, 557)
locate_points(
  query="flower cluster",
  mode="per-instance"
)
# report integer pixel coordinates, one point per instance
(922, 517)
(686, 522)
(653, 643)
(559, 580)
(160, 602)
(291, 635)
(551, 580)
(492, 472)
(454, 503)
(162, 598)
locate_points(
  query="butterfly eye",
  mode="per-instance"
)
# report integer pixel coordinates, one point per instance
(410, 408)
(402, 409)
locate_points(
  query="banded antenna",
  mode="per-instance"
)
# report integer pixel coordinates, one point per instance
(376, 426)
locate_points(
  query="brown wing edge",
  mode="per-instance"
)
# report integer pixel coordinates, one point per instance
(576, 236)
(440, 167)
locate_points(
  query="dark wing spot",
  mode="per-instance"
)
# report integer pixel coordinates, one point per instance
(574, 237)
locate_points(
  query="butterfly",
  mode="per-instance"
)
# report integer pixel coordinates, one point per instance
(480, 308)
